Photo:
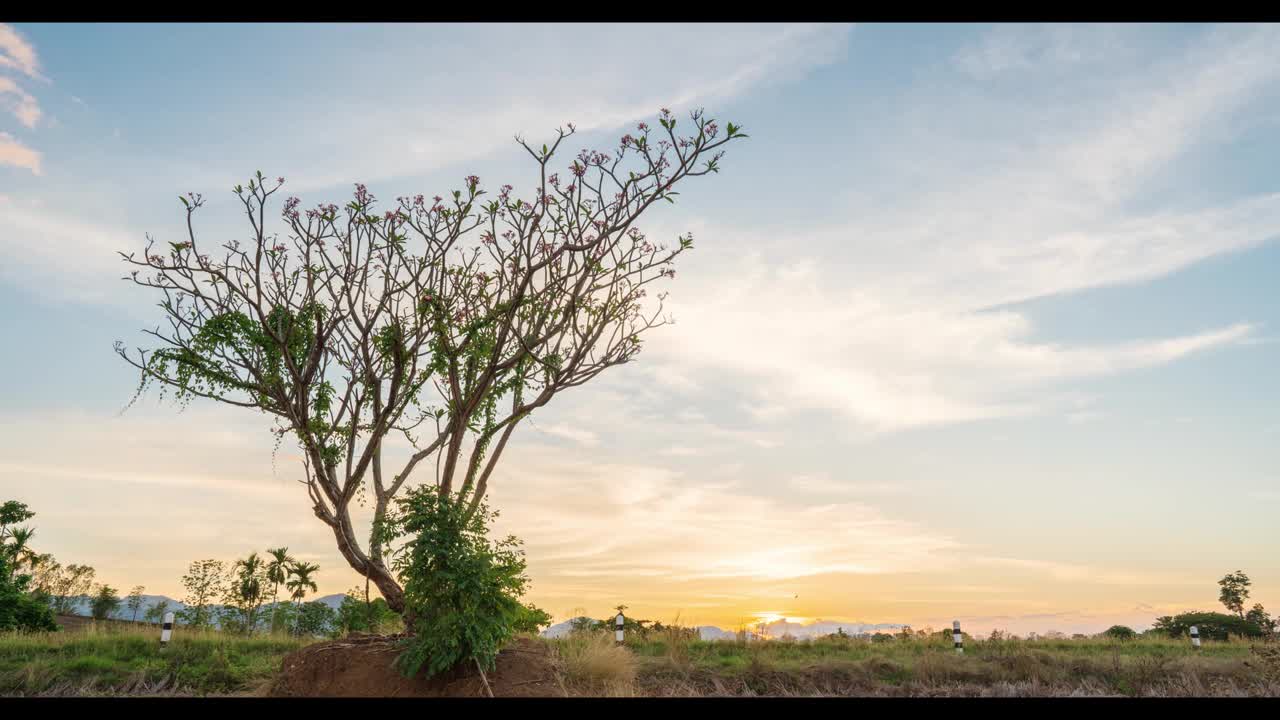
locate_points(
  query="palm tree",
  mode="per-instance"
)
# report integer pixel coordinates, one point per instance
(277, 573)
(20, 550)
(300, 580)
(250, 590)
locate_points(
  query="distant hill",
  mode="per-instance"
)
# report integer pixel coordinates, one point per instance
(776, 629)
(83, 606)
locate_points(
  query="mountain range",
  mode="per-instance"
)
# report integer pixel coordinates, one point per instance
(776, 629)
(82, 604)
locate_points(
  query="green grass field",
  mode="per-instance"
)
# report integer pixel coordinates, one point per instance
(672, 665)
(116, 659)
(119, 659)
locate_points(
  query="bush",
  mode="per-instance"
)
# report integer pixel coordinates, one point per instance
(1212, 625)
(532, 620)
(355, 615)
(21, 611)
(461, 591)
(315, 619)
(1120, 632)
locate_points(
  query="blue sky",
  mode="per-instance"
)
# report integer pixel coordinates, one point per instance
(980, 322)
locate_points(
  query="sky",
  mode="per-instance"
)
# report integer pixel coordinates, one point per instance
(980, 322)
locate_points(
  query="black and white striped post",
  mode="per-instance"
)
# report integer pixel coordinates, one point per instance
(617, 635)
(957, 637)
(167, 630)
(1195, 637)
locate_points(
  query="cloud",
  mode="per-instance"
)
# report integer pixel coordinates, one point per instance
(823, 485)
(687, 67)
(17, 53)
(13, 152)
(918, 310)
(606, 515)
(1076, 573)
(18, 102)
(62, 256)
(582, 437)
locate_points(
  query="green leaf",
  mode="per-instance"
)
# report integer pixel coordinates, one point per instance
(184, 201)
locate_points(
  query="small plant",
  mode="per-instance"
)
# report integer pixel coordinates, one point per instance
(461, 590)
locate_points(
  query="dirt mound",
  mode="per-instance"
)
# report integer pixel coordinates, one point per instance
(361, 666)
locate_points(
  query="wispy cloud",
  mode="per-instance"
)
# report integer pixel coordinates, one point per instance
(17, 53)
(19, 102)
(916, 312)
(577, 435)
(14, 153)
(606, 515)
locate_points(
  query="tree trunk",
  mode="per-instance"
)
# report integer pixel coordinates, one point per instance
(387, 585)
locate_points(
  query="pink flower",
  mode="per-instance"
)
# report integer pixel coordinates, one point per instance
(362, 194)
(642, 127)
(472, 181)
(280, 180)
(486, 237)
(554, 180)
(627, 140)
(665, 111)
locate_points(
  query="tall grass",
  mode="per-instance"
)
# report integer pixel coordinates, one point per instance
(672, 663)
(105, 659)
(591, 663)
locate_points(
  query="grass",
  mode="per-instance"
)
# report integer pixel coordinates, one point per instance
(673, 663)
(106, 659)
(114, 659)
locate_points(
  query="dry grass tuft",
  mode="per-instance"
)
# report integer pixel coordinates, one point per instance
(592, 664)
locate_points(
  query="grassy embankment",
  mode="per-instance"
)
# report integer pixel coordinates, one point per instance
(116, 658)
(125, 658)
(672, 665)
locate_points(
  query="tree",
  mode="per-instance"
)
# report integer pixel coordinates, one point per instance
(300, 581)
(156, 612)
(315, 619)
(245, 593)
(1235, 590)
(66, 585)
(1258, 616)
(104, 602)
(204, 581)
(447, 322)
(19, 608)
(462, 591)
(1212, 625)
(277, 573)
(135, 601)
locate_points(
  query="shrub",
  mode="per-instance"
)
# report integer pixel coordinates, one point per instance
(1212, 625)
(461, 590)
(532, 619)
(1120, 632)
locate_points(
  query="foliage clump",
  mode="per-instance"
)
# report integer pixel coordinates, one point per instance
(462, 590)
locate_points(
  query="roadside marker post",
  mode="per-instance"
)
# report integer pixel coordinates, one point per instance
(957, 637)
(1195, 637)
(617, 635)
(167, 631)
